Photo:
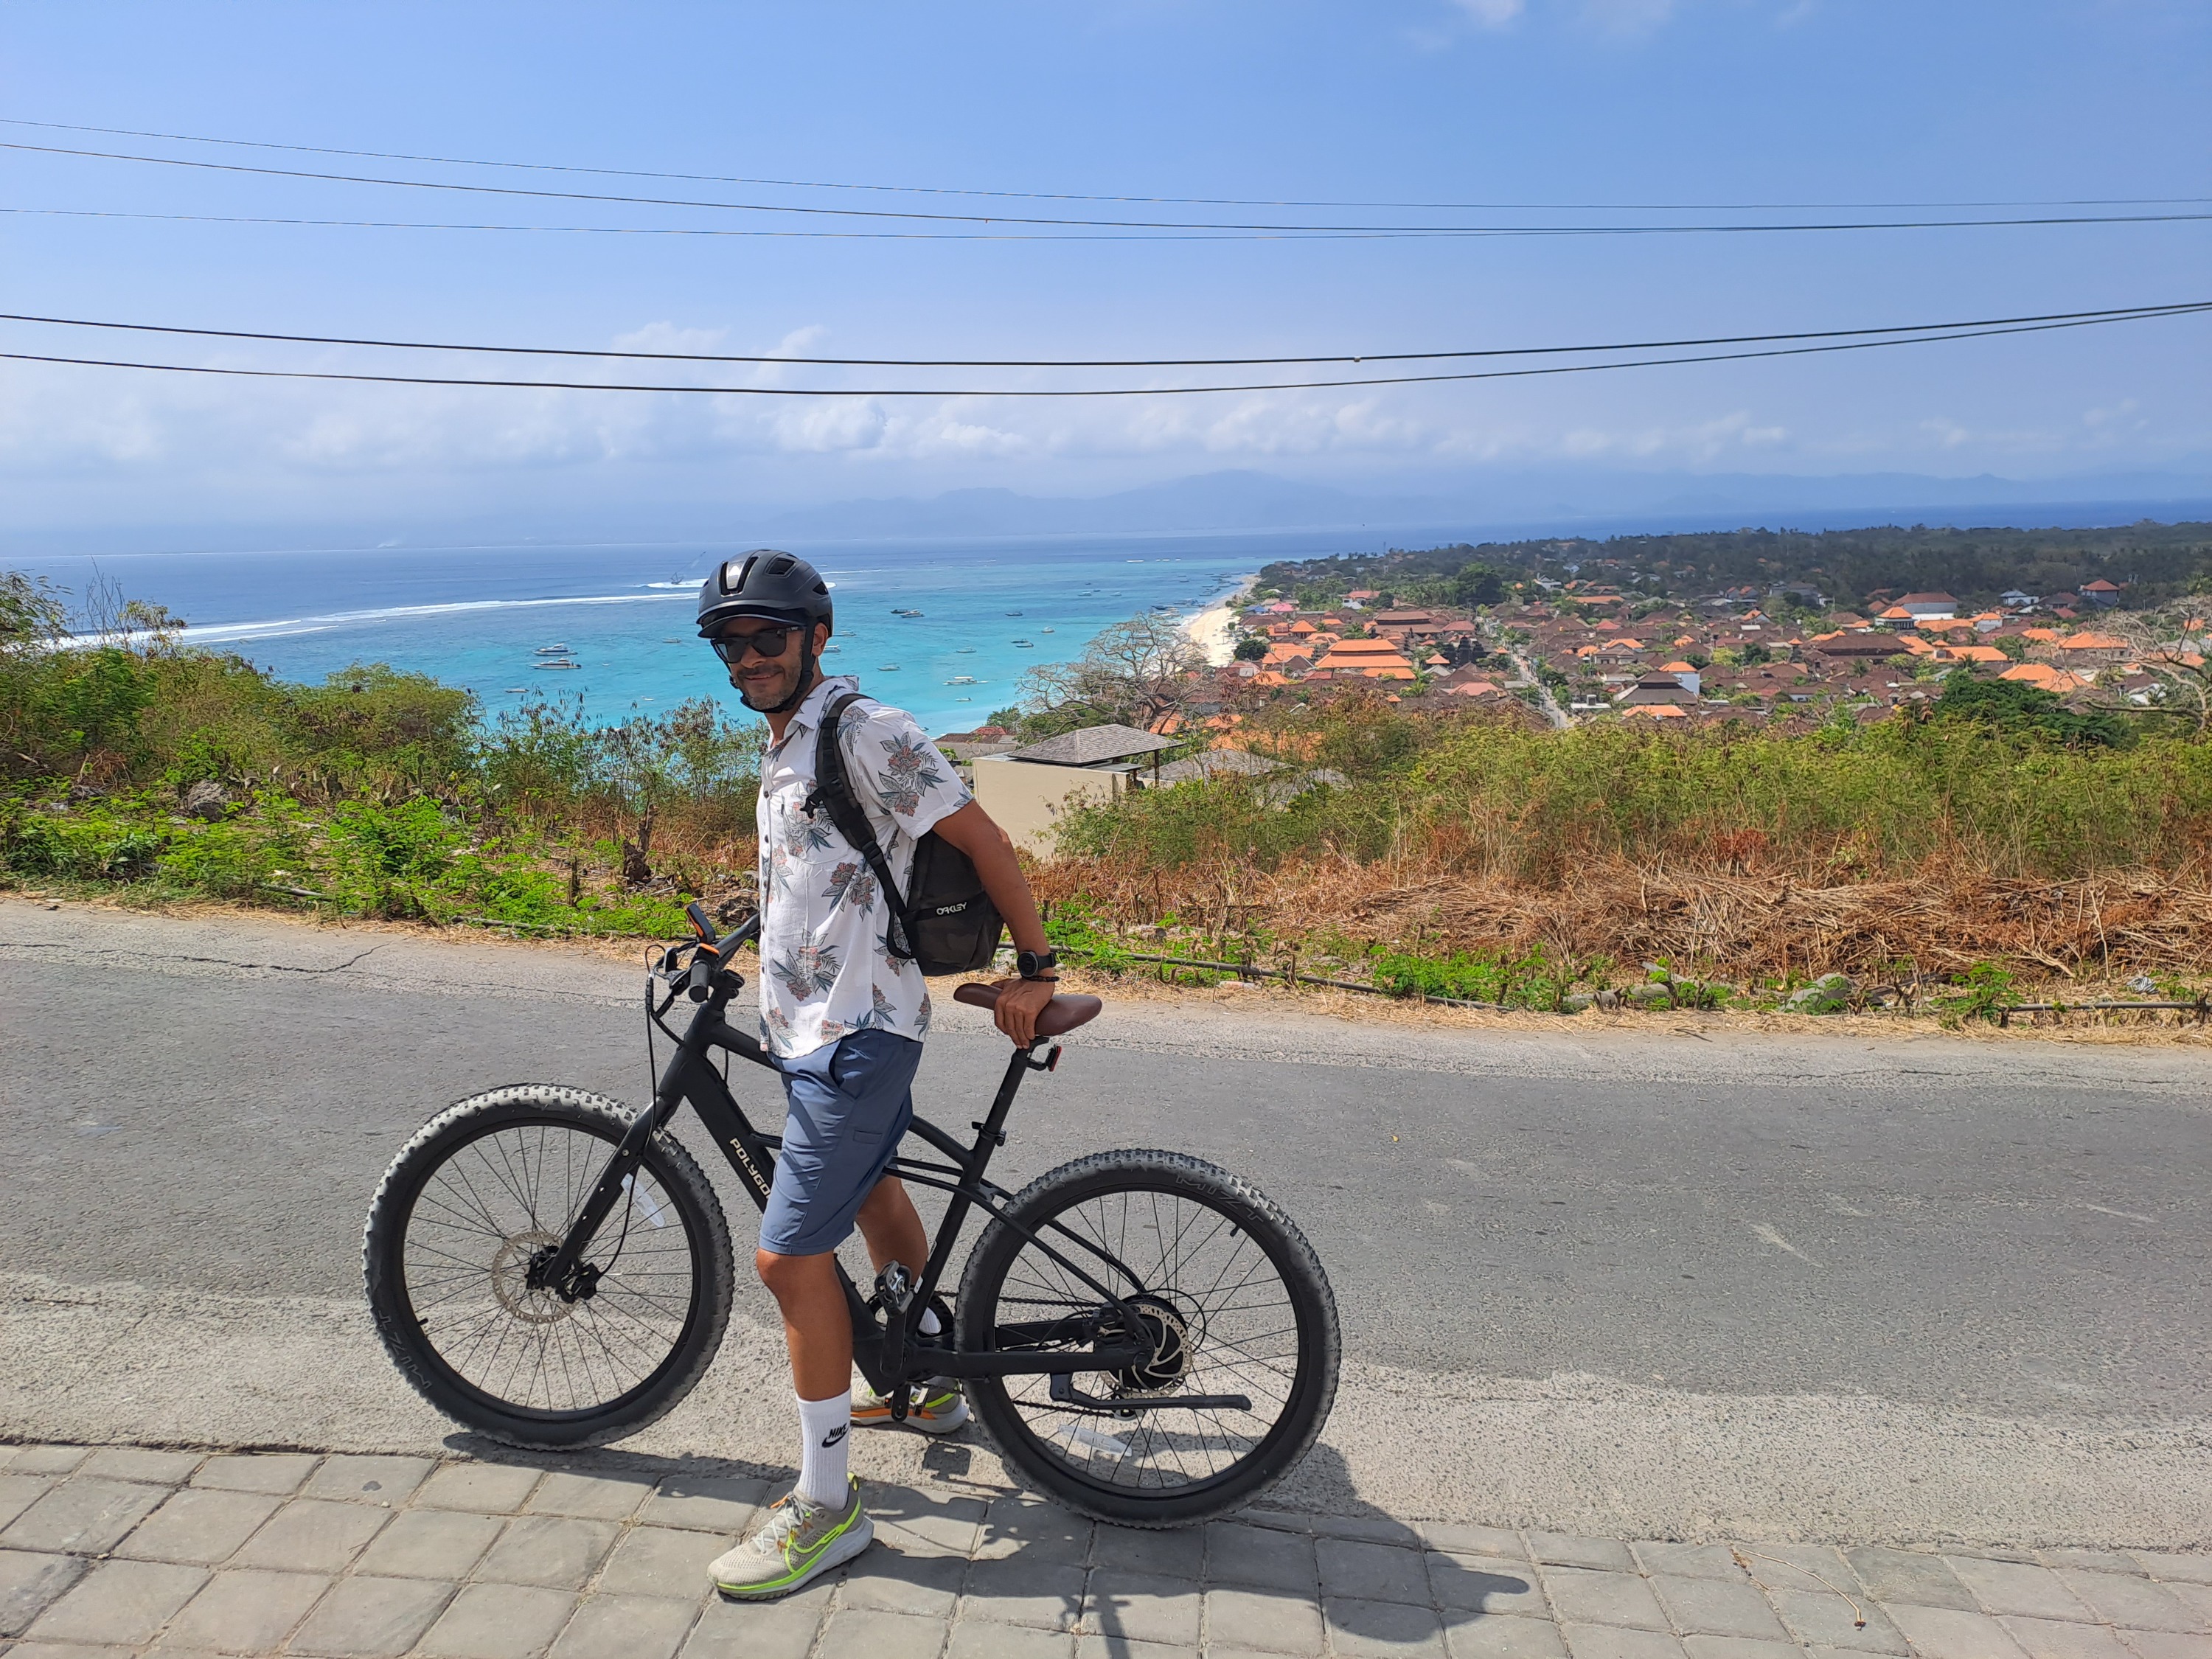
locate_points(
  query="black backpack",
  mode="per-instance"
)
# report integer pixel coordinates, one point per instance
(946, 922)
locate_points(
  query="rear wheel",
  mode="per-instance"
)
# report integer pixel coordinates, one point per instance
(485, 1190)
(1225, 1292)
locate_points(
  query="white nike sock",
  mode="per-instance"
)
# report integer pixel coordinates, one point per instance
(931, 1325)
(825, 1429)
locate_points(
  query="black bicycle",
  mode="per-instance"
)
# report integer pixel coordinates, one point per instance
(1145, 1337)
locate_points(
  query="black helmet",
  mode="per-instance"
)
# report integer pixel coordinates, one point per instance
(763, 583)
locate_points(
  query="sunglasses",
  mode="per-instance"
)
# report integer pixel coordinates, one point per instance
(765, 643)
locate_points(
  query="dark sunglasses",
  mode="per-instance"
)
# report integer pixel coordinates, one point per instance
(765, 643)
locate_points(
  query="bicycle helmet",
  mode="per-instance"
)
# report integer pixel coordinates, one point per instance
(764, 583)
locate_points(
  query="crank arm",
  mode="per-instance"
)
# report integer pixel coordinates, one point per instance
(1065, 1393)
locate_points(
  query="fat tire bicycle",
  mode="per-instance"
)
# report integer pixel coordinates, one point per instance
(1147, 1338)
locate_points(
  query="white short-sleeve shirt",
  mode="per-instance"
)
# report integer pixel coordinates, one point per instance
(825, 970)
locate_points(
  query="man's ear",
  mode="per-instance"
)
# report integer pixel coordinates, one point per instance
(821, 636)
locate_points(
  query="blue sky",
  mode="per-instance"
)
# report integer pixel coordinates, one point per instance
(1507, 101)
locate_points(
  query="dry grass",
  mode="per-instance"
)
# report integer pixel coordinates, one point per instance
(1735, 926)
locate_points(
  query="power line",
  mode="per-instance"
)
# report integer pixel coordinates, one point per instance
(758, 232)
(1077, 195)
(1105, 224)
(1095, 391)
(2111, 313)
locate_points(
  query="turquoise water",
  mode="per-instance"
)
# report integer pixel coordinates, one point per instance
(475, 617)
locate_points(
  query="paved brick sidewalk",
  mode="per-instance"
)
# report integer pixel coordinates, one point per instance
(115, 1551)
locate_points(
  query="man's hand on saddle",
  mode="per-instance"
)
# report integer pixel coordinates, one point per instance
(1020, 1002)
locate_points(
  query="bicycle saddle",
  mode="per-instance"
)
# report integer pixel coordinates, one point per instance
(1061, 1016)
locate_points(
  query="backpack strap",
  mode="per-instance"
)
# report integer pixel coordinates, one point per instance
(833, 792)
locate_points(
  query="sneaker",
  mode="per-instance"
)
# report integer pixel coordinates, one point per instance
(799, 1541)
(938, 1407)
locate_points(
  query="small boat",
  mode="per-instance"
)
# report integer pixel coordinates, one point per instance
(965, 651)
(562, 663)
(1024, 645)
(1044, 630)
(826, 649)
(887, 668)
(517, 691)
(897, 612)
(1013, 613)
(552, 651)
(963, 679)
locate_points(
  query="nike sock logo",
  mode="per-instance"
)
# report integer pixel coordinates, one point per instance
(834, 1436)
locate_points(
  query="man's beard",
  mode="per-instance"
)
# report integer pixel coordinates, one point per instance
(769, 699)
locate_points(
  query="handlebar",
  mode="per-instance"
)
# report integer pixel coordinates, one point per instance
(703, 926)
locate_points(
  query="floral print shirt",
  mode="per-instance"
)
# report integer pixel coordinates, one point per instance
(824, 968)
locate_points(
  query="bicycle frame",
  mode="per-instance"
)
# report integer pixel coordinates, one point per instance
(890, 1352)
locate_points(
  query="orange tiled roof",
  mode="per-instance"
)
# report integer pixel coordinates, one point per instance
(1658, 711)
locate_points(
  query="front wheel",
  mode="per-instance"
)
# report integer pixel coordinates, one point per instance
(486, 1189)
(1224, 1289)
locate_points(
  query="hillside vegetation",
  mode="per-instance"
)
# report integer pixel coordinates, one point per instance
(1447, 854)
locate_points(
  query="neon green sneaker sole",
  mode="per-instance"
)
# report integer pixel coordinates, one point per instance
(791, 1558)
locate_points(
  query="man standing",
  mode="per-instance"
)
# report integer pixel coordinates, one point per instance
(846, 1018)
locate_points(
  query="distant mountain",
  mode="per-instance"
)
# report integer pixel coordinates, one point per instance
(1257, 501)
(1212, 501)
(1475, 506)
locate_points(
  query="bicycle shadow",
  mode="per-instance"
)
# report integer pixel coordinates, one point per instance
(969, 1531)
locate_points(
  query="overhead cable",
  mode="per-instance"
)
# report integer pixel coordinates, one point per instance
(1078, 196)
(2112, 314)
(1094, 391)
(905, 214)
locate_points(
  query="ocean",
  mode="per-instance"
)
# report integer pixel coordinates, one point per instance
(479, 616)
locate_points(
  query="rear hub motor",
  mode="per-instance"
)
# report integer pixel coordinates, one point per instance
(1170, 1332)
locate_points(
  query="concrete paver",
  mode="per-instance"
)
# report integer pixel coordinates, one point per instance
(17, 1493)
(199, 1525)
(121, 1603)
(499, 1621)
(245, 1610)
(1142, 1607)
(371, 1479)
(312, 1535)
(2113, 1598)
(281, 1473)
(1505, 1639)
(371, 1617)
(29, 1583)
(357, 1557)
(429, 1544)
(552, 1551)
(2050, 1638)
(1949, 1634)
(82, 1516)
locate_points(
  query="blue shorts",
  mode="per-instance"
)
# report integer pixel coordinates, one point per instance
(846, 1105)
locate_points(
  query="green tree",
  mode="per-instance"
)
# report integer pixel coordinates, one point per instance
(1251, 649)
(2023, 710)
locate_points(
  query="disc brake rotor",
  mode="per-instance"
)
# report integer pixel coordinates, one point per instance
(1171, 1333)
(510, 1280)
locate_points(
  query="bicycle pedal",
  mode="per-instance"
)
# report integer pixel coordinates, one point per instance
(895, 1286)
(902, 1402)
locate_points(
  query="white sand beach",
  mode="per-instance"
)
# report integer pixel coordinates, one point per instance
(1213, 630)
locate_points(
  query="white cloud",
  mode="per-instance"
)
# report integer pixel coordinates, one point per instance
(1491, 14)
(1627, 19)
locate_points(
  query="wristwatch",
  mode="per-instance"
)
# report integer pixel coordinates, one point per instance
(1035, 964)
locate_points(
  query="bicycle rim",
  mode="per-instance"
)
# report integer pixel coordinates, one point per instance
(506, 1194)
(1218, 1304)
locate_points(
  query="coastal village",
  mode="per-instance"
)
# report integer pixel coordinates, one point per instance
(1560, 653)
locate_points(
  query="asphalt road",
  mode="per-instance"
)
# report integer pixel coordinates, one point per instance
(2016, 1229)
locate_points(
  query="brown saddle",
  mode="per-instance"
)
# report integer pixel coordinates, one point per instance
(1061, 1016)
